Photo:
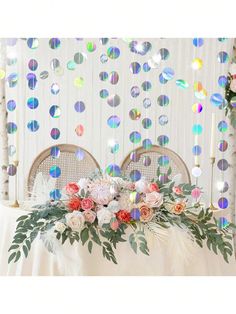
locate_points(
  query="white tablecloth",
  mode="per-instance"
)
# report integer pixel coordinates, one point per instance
(170, 254)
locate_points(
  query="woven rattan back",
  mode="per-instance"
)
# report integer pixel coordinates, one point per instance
(149, 160)
(72, 168)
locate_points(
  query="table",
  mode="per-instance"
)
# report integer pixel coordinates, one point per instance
(170, 254)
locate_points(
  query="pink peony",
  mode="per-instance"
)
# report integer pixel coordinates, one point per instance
(177, 190)
(87, 204)
(154, 199)
(233, 85)
(72, 188)
(89, 216)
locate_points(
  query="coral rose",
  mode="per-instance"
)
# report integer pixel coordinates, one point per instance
(72, 188)
(146, 213)
(154, 199)
(154, 187)
(89, 216)
(87, 204)
(178, 208)
(74, 203)
(123, 215)
(177, 190)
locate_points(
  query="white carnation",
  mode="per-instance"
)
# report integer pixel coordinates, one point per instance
(60, 227)
(75, 220)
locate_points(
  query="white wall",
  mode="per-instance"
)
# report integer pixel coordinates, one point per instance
(97, 133)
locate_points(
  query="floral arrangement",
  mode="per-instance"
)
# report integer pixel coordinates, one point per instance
(98, 210)
(230, 94)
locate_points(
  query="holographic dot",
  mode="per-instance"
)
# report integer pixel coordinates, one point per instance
(11, 60)
(135, 137)
(182, 84)
(197, 150)
(32, 83)
(147, 123)
(163, 140)
(91, 47)
(12, 80)
(55, 152)
(11, 170)
(103, 41)
(146, 86)
(135, 214)
(222, 222)
(223, 57)
(135, 67)
(11, 128)
(168, 74)
(113, 170)
(222, 126)
(223, 164)
(135, 91)
(223, 203)
(134, 156)
(104, 93)
(113, 100)
(196, 172)
(222, 39)
(33, 126)
(163, 178)
(147, 143)
(163, 161)
(31, 76)
(32, 103)
(103, 76)
(55, 111)
(71, 65)
(55, 63)
(114, 146)
(59, 71)
(43, 75)
(197, 129)
(162, 80)
(222, 81)
(113, 78)
(134, 197)
(79, 130)
(78, 58)
(55, 172)
(11, 150)
(197, 64)
(11, 105)
(103, 58)
(163, 100)
(55, 194)
(222, 186)
(197, 108)
(33, 65)
(78, 82)
(164, 53)
(197, 86)
(135, 175)
(198, 42)
(147, 103)
(55, 89)
(147, 161)
(233, 101)
(163, 120)
(55, 133)
(113, 52)
(32, 43)
(223, 145)
(11, 41)
(216, 99)
(113, 122)
(54, 43)
(146, 67)
(201, 95)
(79, 106)
(140, 47)
(80, 154)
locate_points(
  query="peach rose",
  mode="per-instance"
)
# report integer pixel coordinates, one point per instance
(72, 188)
(178, 208)
(146, 213)
(89, 216)
(87, 204)
(154, 199)
(177, 190)
(153, 187)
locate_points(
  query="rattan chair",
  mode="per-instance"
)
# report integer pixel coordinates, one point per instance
(150, 171)
(72, 169)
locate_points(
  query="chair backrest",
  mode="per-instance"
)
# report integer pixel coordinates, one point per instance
(72, 167)
(149, 160)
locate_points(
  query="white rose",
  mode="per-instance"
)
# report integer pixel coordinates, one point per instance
(60, 227)
(232, 69)
(154, 199)
(113, 206)
(75, 220)
(104, 216)
(83, 184)
(141, 186)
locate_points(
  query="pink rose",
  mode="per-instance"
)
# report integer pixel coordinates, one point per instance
(153, 187)
(154, 199)
(89, 216)
(114, 224)
(177, 190)
(233, 85)
(87, 204)
(130, 186)
(146, 213)
(72, 188)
